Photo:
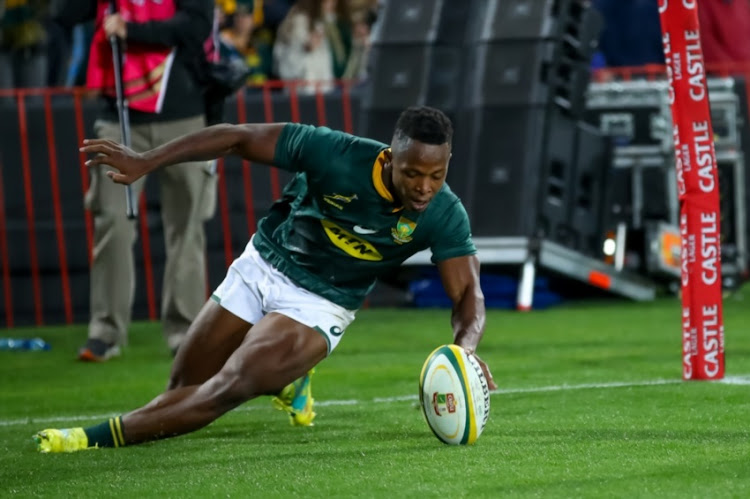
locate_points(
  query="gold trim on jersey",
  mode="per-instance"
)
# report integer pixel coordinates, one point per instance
(377, 178)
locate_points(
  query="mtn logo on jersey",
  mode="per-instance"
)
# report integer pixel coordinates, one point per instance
(403, 230)
(350, 244)
(338, 200)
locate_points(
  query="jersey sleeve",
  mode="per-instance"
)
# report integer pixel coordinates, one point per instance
(454, 238)
(306, 148)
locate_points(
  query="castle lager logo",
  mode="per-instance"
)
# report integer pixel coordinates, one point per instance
(688, 347)
(712, 340)
(695, 65)
(688, 249)
(443, 402)
(710, 252)
(704, 156)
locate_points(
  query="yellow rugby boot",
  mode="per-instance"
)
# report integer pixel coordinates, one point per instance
(67, 440)
(297, 401)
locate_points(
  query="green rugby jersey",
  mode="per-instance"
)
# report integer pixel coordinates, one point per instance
(337, 227)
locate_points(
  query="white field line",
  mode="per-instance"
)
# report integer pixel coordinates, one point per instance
(729, 380)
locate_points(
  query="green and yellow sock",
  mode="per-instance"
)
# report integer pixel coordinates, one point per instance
(106, 434)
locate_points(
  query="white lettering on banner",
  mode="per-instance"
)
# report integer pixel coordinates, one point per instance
(667, 47)
(709, 248)
(679, 168)
(681, 189)
(687, 366)
(685, 158)
(711, 340)
(684, 250)
(688, 4)
(677, 66)
(663, 6)
(695, 65)
(704, 156)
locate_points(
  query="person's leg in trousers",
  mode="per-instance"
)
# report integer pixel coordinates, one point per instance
(187, 194)
(112, 280)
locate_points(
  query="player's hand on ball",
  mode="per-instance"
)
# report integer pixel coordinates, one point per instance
(487, 374)
(130, 164)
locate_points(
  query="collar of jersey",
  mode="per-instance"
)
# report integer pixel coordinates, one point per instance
(377, 179)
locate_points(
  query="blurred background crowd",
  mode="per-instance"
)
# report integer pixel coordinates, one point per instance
(311, 40)
(324, 40)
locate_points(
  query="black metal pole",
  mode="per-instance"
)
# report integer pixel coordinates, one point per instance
(122, 110)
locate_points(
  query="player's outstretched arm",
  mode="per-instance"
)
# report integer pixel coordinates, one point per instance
(460, 278)
(254, 142)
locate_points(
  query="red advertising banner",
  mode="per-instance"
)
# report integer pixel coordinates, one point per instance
(697, 180)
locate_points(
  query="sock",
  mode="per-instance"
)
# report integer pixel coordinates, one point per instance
(106, 434)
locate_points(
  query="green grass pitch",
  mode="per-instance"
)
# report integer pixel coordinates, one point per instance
(590, 405)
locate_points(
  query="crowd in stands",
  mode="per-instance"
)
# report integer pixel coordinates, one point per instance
(324, 40)
(311, 40)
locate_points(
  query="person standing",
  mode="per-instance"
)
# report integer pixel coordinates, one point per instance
(313, 44)
(164, 70)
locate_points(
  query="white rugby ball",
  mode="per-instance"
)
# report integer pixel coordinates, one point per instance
(454, 395)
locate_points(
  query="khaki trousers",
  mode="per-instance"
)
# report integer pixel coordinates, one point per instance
(188, 198)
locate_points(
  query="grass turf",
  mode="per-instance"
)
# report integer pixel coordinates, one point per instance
(590, 405)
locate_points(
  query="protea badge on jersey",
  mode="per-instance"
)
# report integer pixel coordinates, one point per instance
(454, 394)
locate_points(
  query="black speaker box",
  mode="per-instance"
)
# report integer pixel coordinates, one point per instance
(525, 73)
(445, 78)
(498, 20)
(455, 21)
(398, 76)
(513, 169)
(407, 21)
(410, 75)
(572, 23)
(593, 159)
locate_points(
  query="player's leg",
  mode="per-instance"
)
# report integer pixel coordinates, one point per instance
(213, 336)
(276, 351)
(327, 318)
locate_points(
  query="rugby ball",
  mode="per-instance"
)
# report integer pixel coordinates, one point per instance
(454, 395)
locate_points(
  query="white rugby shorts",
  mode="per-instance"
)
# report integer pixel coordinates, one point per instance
(253, 288)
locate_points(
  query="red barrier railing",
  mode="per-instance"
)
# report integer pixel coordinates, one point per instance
(26, 165)
(59, 229)
(53, 143)
(4, 255)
